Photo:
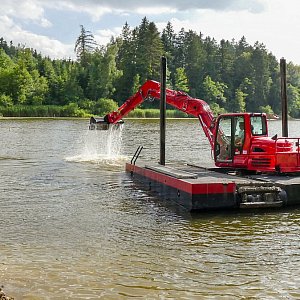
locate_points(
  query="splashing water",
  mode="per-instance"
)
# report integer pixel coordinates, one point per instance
(103, 147)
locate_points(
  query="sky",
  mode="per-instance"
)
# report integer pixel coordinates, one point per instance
(52, 26)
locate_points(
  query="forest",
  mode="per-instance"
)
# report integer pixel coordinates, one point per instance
(231, 76)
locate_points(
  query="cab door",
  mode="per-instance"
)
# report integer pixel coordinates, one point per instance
(229, 138)
(223, 143)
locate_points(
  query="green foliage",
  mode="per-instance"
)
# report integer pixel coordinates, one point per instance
(266, 109)
(137, 113)
(87, 105)
(181, 80)
(136, 84)
(214, 90)
(73, 110)
(109, 72)
(104, 106)
(5, 101)
(149, 49)
(294, 101)
(155, 113)
(152, 113)
(194, 55)
(239, 104)
(216, 109)
(70, 110)
(168, 38)
(173, 113)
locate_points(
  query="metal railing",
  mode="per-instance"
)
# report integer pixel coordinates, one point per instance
(136, 155)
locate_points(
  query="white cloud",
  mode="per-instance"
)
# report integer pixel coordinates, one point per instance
(102, 37)
(133, 5)
(96, 11)
(97, 8)
(155, 10)
(48, 47)
(29, 10)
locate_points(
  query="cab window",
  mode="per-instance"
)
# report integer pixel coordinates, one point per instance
(258, 125)
(239, 128)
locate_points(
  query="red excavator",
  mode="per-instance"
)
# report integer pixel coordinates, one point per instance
(238, 140)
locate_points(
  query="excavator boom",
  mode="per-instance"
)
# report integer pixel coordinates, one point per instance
(180, 100)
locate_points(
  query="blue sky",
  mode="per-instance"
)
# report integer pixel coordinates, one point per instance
(52, 26)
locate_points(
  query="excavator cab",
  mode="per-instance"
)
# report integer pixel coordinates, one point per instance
(233, 136)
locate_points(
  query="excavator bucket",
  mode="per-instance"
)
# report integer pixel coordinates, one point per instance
(102, 124)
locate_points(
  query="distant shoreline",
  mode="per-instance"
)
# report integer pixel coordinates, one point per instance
(125, 118)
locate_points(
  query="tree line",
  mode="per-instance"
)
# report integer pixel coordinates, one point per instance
(231, 76)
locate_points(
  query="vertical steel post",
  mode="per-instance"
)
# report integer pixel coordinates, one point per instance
(163, 76)
(284, 98)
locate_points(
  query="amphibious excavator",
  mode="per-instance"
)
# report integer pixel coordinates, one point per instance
(238, 141)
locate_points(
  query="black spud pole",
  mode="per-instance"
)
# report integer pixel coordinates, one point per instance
(163, 77)
(284, 109)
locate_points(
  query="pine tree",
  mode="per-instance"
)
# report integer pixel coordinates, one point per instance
(84, 45)
(126, 61)
(195, 58)
(180, 49)
(168, 40)
(149, 51)
(211, 63)
(260, 77)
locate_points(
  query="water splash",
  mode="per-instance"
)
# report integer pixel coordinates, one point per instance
(103, 147)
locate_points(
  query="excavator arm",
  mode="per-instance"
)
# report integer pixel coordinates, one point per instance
(179, 100)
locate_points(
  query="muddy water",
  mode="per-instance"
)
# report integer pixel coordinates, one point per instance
(74, 226)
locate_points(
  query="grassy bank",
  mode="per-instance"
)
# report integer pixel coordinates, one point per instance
(73, 110)
(154, 113)
(70, 110)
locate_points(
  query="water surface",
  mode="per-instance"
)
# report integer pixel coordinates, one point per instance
(74, 226)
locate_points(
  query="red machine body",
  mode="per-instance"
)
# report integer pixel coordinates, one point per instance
(237, 140)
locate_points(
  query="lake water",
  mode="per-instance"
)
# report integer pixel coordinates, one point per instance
(73, 225)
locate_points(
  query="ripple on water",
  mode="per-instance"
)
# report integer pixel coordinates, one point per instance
(106, 162)
(73, 226)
